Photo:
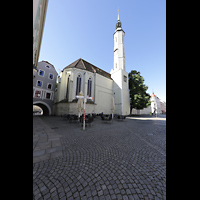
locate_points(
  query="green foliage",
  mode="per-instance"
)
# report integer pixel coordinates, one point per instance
(139, 99)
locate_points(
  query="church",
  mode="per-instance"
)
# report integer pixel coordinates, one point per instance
(109, 92)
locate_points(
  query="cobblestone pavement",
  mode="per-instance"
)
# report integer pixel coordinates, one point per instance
(122, 160)
(46, 142)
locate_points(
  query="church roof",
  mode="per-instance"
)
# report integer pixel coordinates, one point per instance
(153, 95)
(84, 65)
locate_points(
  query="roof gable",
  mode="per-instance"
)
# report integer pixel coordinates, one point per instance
(84, 65)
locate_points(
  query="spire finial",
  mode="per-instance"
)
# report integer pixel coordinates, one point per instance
(118, 14)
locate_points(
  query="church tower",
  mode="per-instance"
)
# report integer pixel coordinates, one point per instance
(119, 74)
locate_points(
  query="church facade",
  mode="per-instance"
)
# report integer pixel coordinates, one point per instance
(105, 88)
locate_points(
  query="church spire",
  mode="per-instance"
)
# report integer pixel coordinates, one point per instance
(118, 24)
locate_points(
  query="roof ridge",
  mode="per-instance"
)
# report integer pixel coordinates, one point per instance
(76, 61)
(83, 63)
(92, 66)
(97, 68)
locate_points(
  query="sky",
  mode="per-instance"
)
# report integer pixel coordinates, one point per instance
(84, 29)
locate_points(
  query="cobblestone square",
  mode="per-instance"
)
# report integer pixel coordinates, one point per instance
(118, 160)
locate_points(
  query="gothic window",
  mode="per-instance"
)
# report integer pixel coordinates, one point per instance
(78, 84)
(89, 89)
(67, 92)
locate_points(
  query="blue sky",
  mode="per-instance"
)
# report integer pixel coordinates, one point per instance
(84, 29)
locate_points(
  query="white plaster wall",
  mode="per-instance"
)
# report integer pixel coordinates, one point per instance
(103, 94)
(145, 111)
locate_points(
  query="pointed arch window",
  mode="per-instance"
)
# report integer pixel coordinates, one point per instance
(78, 84)
(67, 92)
(89, 90)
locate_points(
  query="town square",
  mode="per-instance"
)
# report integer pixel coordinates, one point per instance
(99, 100)
(118, 160)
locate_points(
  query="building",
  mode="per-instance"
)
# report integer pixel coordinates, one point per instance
(119, 74)
(163, 107)
(82, 76)
(91, 80)
(44, 85)
(155, 104)
(157, 107)
(39, 15)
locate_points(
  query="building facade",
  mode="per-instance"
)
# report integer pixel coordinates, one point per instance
(44, 85)
(39, 15)
(82, 76)
(157, 107)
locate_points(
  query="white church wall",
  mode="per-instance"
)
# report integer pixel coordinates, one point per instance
(117, 98)
(126, 102)
(103, 94)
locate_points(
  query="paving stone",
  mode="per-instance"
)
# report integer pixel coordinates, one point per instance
(119, 161)
(39, 153)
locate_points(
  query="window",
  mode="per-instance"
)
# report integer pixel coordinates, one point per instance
(41, 72)
(89, 90)
(39, 83)
(78, 84)
(125, 78)
(47, 66)
(49, 86)
(37, 93)
(51, 76)
(48, 95)
(67, 92)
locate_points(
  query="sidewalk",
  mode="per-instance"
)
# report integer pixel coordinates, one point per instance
(46, 142)
(148, 117)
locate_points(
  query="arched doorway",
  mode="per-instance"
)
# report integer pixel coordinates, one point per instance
(45, 107)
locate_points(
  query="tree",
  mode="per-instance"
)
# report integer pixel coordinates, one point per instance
(139, 99)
